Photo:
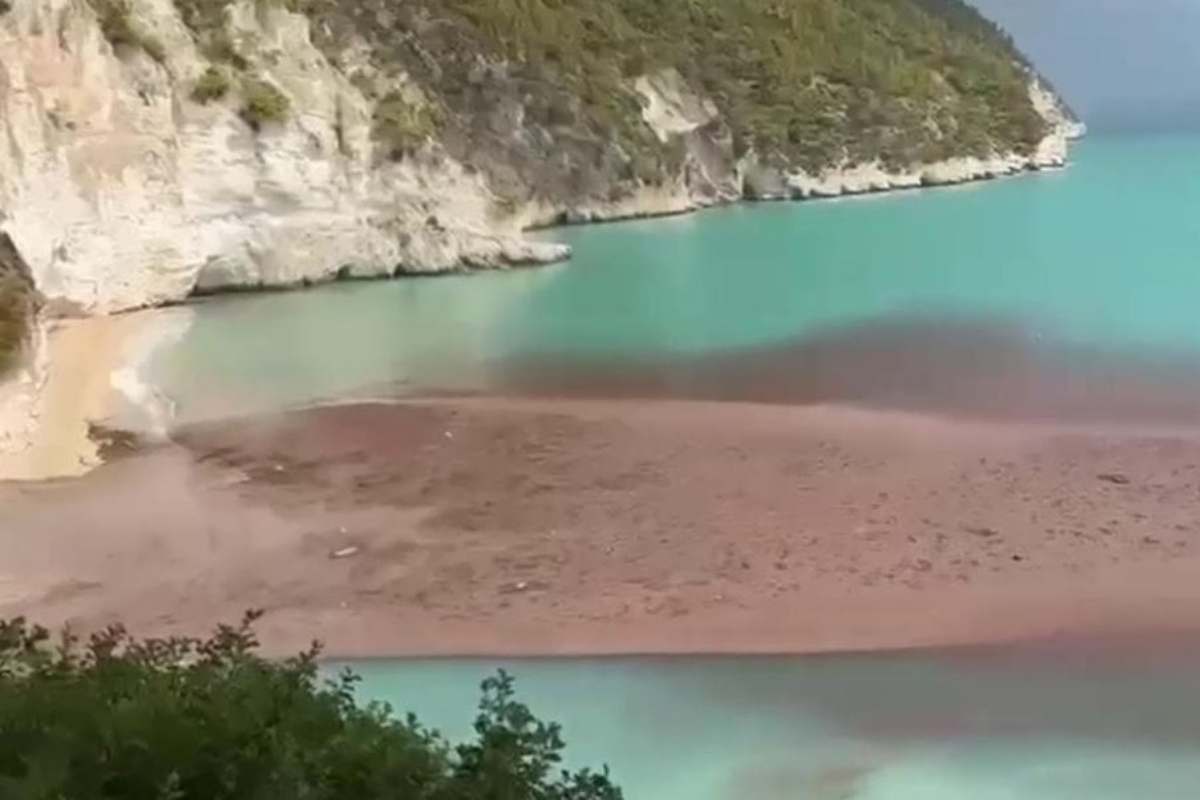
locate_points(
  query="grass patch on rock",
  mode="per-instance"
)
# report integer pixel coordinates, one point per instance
(263, 103)
(804, 83)
(123, 31)
(208, 22)
(401, 126)
(212, 85)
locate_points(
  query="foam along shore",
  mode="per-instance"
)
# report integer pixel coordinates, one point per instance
(80, 373)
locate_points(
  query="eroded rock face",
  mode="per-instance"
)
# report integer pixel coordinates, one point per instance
(120, 190)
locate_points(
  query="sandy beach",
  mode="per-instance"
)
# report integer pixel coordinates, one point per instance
(469, 526)
(83, 372)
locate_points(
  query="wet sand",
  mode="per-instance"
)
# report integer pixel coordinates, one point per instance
(85, 373)
(528, 527)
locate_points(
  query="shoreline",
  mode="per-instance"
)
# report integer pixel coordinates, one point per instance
(1113, 646)
(751, 202)
(31, 448)
(747, 202)
(540, 231)
(86, 372)
(492, 527)
(997, 168)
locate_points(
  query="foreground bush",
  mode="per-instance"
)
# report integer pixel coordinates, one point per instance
(208, 719)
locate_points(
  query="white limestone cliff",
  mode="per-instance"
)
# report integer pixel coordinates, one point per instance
(121, 191)
(672, 109)
(849, 179)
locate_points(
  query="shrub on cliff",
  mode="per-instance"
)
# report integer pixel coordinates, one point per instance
(208, 22)
(212, 85)
(185, 718)
(400, 126)
(807, 82)
(262, 102)
(122, 30)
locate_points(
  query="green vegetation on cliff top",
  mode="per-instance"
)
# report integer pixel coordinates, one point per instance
(540, 92)
(811, 81)
(121, 28)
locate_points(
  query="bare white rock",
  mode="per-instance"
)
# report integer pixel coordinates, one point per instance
(120, 191)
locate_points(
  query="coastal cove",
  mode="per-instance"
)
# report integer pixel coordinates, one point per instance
(1058, 281)
(235, 143)
(43, 435)
(978, 340)
(599, 399)
(947, 417)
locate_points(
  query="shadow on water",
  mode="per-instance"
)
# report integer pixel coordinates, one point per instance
(993, 370)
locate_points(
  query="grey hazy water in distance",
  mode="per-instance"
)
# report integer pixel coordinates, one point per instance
(1125, 65)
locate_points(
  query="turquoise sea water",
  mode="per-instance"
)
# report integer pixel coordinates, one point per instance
(1104, 256)
(896, 727)
(1083, 277)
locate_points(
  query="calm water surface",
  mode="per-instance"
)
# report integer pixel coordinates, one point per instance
(1067, 279)
(998, 726)
(1071, 292)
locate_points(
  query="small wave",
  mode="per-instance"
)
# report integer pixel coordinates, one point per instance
(153, 411)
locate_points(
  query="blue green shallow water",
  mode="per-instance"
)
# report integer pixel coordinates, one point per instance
(893, 727)
(1105, 255)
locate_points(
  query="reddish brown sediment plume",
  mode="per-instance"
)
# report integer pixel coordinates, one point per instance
(492, 526)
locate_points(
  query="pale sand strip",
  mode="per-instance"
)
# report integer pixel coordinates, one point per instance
(81, 371)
